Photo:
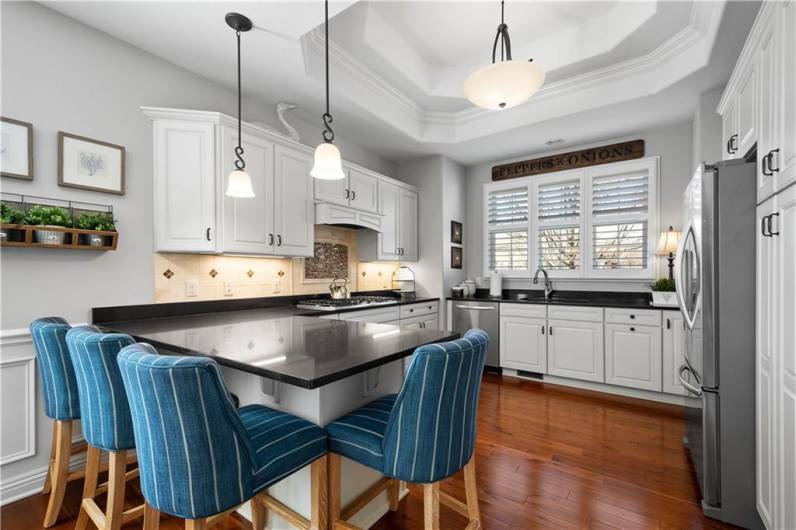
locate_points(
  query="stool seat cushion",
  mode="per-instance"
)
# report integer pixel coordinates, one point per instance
(281, 443)
(359, 435)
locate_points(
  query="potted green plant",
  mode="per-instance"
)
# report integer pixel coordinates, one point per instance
(100, 221)
(48, 216)
(663, 293)
(9, 216)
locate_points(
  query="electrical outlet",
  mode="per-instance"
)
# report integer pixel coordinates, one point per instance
(191, 288)
(277, 285)
(228, 289)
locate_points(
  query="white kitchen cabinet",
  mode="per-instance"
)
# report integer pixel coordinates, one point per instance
(729, 128)
(398, 238)
(293, 207)
(332, 191)
(785, 160)
(769, 102)
(747, 110)
(363, 191)
(185, 186)
(407, 225)
(633, 356)
(523, 343)
(380, 315)
(575, 349)
(248, 224)
(673, 352)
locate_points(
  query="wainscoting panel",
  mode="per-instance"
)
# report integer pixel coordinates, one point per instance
(17, 409)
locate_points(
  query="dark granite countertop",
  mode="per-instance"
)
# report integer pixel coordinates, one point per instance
(630, 300)
(278, 343)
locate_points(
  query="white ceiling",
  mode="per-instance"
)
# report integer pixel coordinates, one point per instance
(397, 67)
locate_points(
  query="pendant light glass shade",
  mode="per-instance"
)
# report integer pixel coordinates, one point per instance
(239, 185)
(504, 84)
(328, 164)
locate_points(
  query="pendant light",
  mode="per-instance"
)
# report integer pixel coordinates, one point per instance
(239, 183)
(328, 165)
(503, 84)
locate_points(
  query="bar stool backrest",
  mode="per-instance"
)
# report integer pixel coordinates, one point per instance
(105, 414)
(61, 398)
(194, 454)
(430, 434)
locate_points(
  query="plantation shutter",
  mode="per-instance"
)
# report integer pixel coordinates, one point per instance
(507, 223)
(620, 205)
(558, 213)
(626, 195)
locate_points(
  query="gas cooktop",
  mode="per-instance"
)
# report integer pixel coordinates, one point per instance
(333, 304)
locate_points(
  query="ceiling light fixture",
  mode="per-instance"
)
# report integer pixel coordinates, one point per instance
(239, 183)
(328, 165)
(504, 84)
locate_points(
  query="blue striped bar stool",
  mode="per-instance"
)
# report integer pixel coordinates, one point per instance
(423, 434)
(61, 404)
(200, 458)
(107, 425)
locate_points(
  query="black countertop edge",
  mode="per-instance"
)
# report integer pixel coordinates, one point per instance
(177, 309)
(308, 384)
(398, 302)
(617, 299)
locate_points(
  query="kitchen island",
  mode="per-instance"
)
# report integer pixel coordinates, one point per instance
(291, 360)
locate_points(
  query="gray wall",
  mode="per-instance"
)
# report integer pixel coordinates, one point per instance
(61, 75)
(706, 143)
(672, 143)
(454, 204)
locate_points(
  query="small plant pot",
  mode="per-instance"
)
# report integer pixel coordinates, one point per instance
(92, 240)
(664, 299)
(49, 237)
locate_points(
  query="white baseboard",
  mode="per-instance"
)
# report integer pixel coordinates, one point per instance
(649, 395)
(31, 482)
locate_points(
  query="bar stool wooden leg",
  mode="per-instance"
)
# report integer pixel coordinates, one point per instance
(48, 479)
(319, 484)
(334, 477)
(90, 485)
(471, 492)
(63, 451)
(195, 524)
(259, 514)
(152, 518)
(431, 506)
(117, 469)
(394, 494)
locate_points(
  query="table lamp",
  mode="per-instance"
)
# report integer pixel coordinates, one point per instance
(667, 244)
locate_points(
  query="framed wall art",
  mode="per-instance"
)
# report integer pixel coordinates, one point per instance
(16, 149)
(90, 164)
(456, 257)
(456, 232)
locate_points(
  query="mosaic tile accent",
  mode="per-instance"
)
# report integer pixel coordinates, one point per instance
(280, 273)
(168, 274)
(330, 261)
(249, 273)
(213, 273)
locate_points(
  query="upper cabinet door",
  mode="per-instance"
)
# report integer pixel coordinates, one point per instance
(768, 98)
(407, 225)
(332, 191)
(185, 186)
(294, 209)
(249, 223)
(785, 159)
(747, 111)
(729, 127)
(390, 197)
(364, 191)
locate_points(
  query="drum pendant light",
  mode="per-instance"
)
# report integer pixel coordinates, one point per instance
(239, 183)
(328, 165)
(503, 84)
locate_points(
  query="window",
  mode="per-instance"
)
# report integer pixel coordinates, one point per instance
(589, 223)
(507, 229)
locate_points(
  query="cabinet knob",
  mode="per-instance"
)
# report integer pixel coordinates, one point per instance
(411, 310)
(632, 317)
(632, 329)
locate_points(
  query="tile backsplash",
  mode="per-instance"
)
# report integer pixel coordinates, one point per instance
(192, 277)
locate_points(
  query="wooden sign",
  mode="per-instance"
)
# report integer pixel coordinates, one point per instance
(573, 160)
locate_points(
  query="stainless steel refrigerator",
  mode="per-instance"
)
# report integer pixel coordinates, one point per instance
(715, 277)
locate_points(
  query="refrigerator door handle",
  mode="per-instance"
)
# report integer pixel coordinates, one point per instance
(688, 386)
(680, 284)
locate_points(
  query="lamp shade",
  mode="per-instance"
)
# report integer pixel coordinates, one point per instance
(328, 165)
(239, 185)
(504, 84)
(667, 244)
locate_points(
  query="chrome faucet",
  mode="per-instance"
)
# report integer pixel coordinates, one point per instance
(548, 285)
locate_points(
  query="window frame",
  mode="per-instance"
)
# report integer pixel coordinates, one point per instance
(650, 165)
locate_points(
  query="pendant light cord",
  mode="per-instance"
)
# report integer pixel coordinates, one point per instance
(240, 164)
(502, 36)
(328, 133)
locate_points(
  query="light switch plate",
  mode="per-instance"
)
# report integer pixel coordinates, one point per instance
(228, 289)
(277, 285)
(191, 288)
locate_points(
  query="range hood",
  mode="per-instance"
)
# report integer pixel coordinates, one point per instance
(331, 214)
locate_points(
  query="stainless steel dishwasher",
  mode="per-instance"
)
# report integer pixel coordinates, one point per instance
(481, 315)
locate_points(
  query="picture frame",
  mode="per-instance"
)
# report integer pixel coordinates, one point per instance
(456, 257)
(456, 232)
(89, 164)
(16, 149)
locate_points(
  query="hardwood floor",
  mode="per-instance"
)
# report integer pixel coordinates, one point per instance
(547, 457)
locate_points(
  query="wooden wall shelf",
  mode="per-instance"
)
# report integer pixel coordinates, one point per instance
(24, 236)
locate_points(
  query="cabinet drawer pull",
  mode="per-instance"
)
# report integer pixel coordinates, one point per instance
(771, 158)
(764, 166)
(278, 240)
(763, 226)
(270, 239)
(668, 323)
(550, 330)
(770, 222)
(347, 193)
(207, 234)
(632, 329)
(733, 148)
(542, 330)
(353, 195)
